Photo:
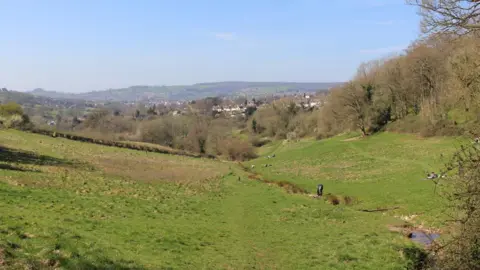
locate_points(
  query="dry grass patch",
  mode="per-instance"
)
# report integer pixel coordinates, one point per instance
(153, 169)
(100, 164)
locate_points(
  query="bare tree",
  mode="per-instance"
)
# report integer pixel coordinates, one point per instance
(392, 87)
(449, 16)
(353, 103)
(464, 66)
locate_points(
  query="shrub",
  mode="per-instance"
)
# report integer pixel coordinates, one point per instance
(16, 121)
(157, 131)
(120, 124)
(415, 124)
(442, 128)
(292, 136)
(304, 124)
(197, 137)
(463, 250)
(259, 142)
(333, 199)
(236, 149)
(417, 258)
(327, 125)
(10, 109)
(96, 118)
(410, 124)
(348, 200)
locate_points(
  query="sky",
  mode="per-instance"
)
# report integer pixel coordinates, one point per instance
(84, 45)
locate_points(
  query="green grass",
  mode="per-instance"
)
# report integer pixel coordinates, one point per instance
(380, 171)
(86, 206)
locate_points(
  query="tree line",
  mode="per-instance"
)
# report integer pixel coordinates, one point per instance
(433, 89)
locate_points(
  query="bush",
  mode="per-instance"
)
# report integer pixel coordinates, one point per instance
(274, 120)
(197, 137)
(327, 124)
(12, 116)
(96, 119)
(236, 149)
(417, 258)
(119, 124)
(333, 199)
(463, 250)
(442, 128)
(26, 123)
(259, 142)
(16, 121)
(292, 136)
(303, 124)
(410, 124)
(10, 109)
(348, 200)
(157, 131)
(415, 124)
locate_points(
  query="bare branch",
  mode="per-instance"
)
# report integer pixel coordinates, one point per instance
(457, 17)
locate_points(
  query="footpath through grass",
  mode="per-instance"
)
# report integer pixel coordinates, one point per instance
(83, 206)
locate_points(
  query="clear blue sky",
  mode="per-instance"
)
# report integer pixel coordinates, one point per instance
(83, 45)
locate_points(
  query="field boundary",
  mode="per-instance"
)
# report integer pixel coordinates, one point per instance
(127, 145)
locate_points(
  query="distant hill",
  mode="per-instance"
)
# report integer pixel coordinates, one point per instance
(191, 92)
(30, 100)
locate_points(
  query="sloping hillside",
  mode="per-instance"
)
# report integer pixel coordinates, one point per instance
(30, 100)
(85, 206)
(382, 171)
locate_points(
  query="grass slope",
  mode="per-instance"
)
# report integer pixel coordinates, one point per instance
(85, 206)
(380, 171)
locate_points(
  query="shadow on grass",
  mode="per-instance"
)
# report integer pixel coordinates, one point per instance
(76, 263)
(11, 257)
(22, 157)
(417, 258)
(13, 168)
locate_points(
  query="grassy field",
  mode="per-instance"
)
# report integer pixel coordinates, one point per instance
(381, 171)
(85, 206)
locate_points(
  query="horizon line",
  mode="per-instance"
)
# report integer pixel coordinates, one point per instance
(172, 85)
